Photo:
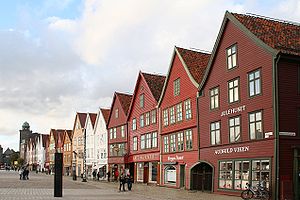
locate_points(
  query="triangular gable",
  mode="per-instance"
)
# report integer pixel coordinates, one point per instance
(186, 57)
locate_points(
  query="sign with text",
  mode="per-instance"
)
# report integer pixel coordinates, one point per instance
(175, 158)
(232, 150)
(146, 157)
(233, 110)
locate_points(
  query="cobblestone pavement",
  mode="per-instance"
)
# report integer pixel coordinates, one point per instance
(40, 186)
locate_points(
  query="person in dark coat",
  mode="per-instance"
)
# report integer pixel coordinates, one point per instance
(108, 176)
(122, 182)
(129, 180)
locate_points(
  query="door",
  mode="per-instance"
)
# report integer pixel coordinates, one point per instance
(146, 172)
(202, 177)
(182, 176)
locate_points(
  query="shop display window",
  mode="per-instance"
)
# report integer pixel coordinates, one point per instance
(225, 178)
(261, 172)
(140, 171)
(241, 176)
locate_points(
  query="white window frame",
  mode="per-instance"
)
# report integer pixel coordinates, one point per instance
(233, 90)
(215, 133)
(188, 109)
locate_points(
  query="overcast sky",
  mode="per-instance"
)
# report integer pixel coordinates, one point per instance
(62, 56)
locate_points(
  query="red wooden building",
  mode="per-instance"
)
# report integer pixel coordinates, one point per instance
(249, 108)
(143, 128)
(117, 133)
(178, 118)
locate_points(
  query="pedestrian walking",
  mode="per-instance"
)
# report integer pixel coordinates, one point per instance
(122, 182)
(98, 175)
(108, 176)
(94, 175)
(21, 173)
(129, 182)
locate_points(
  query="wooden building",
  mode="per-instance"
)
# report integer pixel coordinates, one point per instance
(144, 152)
(68, 152)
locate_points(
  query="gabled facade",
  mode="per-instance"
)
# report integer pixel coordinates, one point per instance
(90, 143)
(143, 137)
(78, 143)
(40, 153)
(178, 118)
(249, 124)
(68, 152)
(55, 145)
(100, 148)
(46, 145)
(117, 135)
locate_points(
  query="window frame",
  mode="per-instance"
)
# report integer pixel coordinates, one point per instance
(142, 100)
(166, 146)
(135, 143)
(143, 142)
(153, 116)
(261, 121)
(147, 118)
(154, 140)
(233, 89)
(231, 55)
(188, 134)
(215, 131)
(179, 112)
(180, 141)
(134, 124)
(142, 123)
(254, 81)
(176, 87)
(123, 131)
(188, 109)
(172, 115)
(215, 97)
(234, 127)
(165, 117)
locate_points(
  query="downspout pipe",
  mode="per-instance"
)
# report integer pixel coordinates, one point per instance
(198, 124)
(276, 123)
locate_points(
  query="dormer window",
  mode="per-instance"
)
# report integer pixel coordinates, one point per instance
(231, 53)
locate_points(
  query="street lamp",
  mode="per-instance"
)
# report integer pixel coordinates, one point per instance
(84, 157)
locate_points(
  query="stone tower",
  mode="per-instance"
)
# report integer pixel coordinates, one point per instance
(25, 134)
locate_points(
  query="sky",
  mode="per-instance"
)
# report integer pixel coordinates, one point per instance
(59, 57)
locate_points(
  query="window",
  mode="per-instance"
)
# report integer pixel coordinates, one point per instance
(261, 172)
(123, 131)
(115, 133)
(231, 57)
(233, 90)
(235, 129)
(117, 113)
(110, 133)
(166, 144)
(241, 174)
(134, 124)
(170, 175)
(172, 143)
(179, 112)
(225, 174)
(255, 125)
(142, 120)
(135, 143)
(188, 109)
(154, 139)
(214, 98)
(189, 139)
(166, 118)
(153, 116)
(172, 115)
(215, 136)
(254, 83)
(147, 116)
(148, 140)
(142, 101)
(142, 141)
(180, 141)
(177, 87)
(111, 150)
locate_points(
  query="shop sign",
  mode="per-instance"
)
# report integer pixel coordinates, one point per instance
(232, 150)
(146, 157)
(173, 158)
(287, 133)
(233, 110)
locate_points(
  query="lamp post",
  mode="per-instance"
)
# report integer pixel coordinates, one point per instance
(84, 157)
(74, 166)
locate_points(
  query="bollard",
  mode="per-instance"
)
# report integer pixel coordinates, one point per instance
(58, 175)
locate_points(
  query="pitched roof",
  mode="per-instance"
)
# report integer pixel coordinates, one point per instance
(155, 83)
(93, 117)
(195, 61)
(45, 140)
(58, 134)
(82, 118)
(280, 35)
(69, 133)
(125, 100)
(105, 113)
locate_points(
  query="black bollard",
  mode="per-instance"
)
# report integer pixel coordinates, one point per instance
(58, 175)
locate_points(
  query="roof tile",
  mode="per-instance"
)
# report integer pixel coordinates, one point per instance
(155, 83)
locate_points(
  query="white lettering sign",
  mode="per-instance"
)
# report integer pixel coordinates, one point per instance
(233, 110)
(287, 133)
(232, 150)
(171, 159)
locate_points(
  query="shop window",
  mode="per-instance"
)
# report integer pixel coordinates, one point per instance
(188, 109)
(172, 115)
(235, 129)
(215, 133)
(226, 174)
(153, 171)
(255, 125)
(233, 90)
(231, 53)
(214, 98)
(180, 141)
(179, 112)
(254, 83)
(166, 117)
(189, 139)
(261, 172)
(170, 175)
(241, 174)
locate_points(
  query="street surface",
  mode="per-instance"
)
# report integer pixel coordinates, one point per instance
(41, 186)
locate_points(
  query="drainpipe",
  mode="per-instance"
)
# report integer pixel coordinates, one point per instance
(160, 147)
(276, 123)
(198, 125)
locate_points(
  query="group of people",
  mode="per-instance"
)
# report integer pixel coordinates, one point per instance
(24, 173)
(125, 178)
(96, 174)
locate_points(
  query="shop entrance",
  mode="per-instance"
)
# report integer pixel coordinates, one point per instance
(202, 177)
(146, 172)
